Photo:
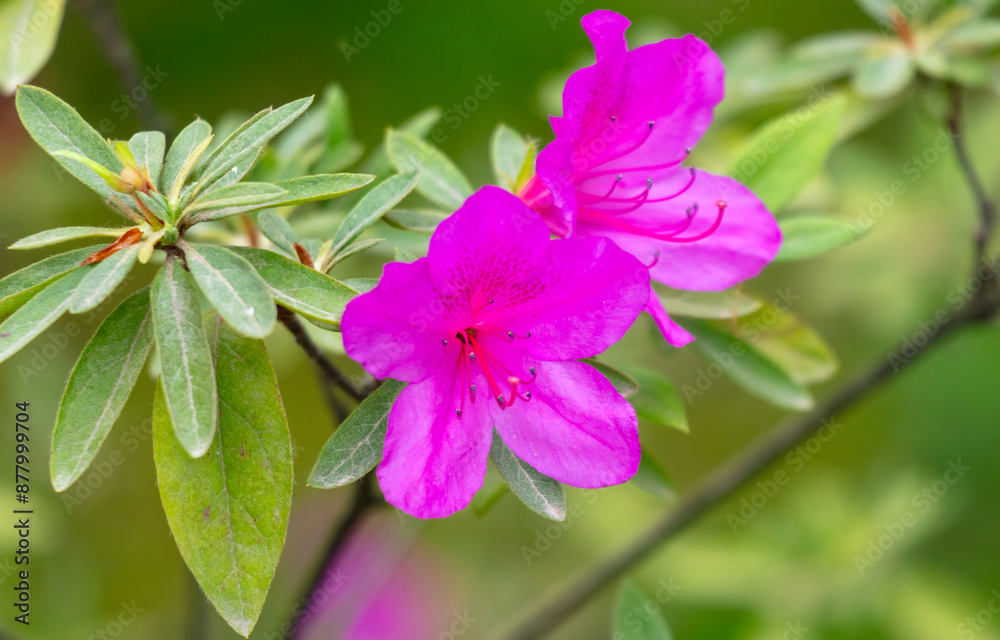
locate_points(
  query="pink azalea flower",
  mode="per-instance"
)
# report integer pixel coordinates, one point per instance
(487, 329)
(615, 167)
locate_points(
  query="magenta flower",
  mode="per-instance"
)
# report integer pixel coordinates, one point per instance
(615, 167)
(487, 329)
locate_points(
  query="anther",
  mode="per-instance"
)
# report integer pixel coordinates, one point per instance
(613, 118)
(458, 413)
(651, 123)
(510, 334)
(500, 401)
(491, 300)
(472, 357)
(527, 396)
(472, 390)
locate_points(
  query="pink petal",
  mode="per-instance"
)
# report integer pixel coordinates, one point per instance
(745, 242)
(591, 295)
(575, 428)
(552, 192)
(491, 247)
(396, 330)
(674, 333)
(434, 461)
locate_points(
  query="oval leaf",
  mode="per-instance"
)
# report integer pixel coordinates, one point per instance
(440, 180)
(187, 374)
(356, 446)
(184, 153)
(100, 384)
(148, 149)
(28, 33)
(712, 305)
(236, 195)
(228, 511)
(234, 288)
(810, 236)
(538, 492)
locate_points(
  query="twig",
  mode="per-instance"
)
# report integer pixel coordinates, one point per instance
(107, 25)
(987, 209)
(725, 481)
(362, 502)
(329, 370)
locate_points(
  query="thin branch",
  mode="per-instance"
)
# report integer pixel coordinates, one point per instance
(364, 500)
(987, 209)
(725, 481)
(107, 26)
(330, 372)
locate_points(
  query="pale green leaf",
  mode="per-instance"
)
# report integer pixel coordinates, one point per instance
(57, 127)
(277, 230)
(793, 345)
(538, 492)
(353, 249)
(402, 255)
(21, 286)
(148, 149)
(50, 237)
(28, 33)
(235, 289)
(375, 203)
(713, 305)
(101, 280)
(100, 384)
(38, 314)
(416, 220)
(187, 372)
(355, 448)
(884, 76)
(440, 180)
(237, 195)
(228, 510)
(184, 153)
(812, 235)
(508, 152)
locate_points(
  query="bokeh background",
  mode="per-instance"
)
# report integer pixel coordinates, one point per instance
(791, 569)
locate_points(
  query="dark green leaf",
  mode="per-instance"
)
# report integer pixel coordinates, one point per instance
(356, 446)
(235, 289)
(538, 492)
(228, 511)
(187, 375)
(100, 384)
(657, 400)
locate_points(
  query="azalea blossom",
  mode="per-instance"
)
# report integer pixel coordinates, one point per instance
(487, 329)
(615, 168)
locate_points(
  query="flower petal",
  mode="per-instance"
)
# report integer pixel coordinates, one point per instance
(434, 461)
(745, 242)
(396, 330)
(575, 428)
(674, 333)
(552, 192)
(592, 293)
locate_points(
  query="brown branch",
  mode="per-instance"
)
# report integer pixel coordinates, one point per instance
(107, 26)
(725, 481)
(330, 372)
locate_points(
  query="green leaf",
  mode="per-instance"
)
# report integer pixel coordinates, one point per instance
(103, 279)
(488, 497)
(298, 191)
(622, 382)
(983, 33)
(353, 249)
(713, 305)
(21, 286)
(294, 286)
(28, 33)
(538, 492)
(235, 289)
(187, 373)
(402, 255)
(375, 203)
(355, 448)
(793, 345)
(247, 143)
(57, 127)
(787, 152)
(184, 153)
(277, 230)
(749, 368)
(653, 479)
(440, 180)
(416, 220)
(148, 149)
(157, 205)
(361, 285)
(878, 10)
(884, 76)
(633, 619)
(509, 151)
(25, 324)
(100, 384)
(228, 511)
(240, 194)
(244, 166)
(810, 236)
(50, 237)
(418, 125)
(657, 400)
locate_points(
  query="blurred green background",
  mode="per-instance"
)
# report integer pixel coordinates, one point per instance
(792, 566)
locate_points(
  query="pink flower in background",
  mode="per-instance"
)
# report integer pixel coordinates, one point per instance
(615, 167)
(487, 329)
